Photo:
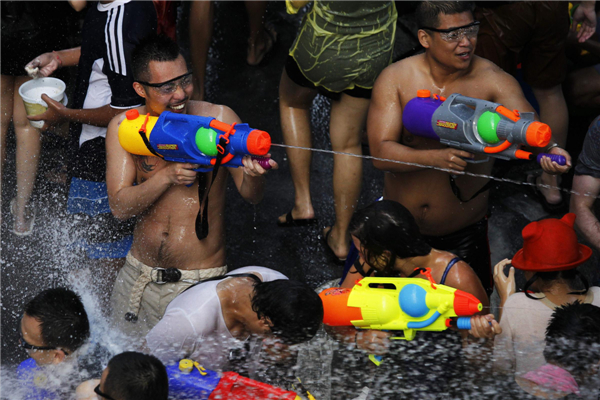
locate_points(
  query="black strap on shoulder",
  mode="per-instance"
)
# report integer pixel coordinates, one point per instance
(416, 272)
(361, 270)
(202, 217)
(142, 133)
(218, 278)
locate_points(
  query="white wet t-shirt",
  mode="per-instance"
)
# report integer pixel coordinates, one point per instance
(193, 325)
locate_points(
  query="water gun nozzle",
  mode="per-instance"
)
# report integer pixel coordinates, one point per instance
(538, 134)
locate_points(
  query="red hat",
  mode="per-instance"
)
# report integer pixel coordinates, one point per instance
(551, 245)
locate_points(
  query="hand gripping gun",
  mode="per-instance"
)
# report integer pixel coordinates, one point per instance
(477, 126)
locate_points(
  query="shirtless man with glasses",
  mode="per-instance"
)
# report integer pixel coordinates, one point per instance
(448, 32)
(166, 256)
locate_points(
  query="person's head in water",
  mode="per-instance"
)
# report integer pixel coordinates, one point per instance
(448, 32)
(573, 339)
(385, 231)
(161, 75)
(134, 376)
(53, 326)
(290, 310)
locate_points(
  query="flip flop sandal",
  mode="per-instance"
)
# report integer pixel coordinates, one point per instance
(272, 41)
(290, 222)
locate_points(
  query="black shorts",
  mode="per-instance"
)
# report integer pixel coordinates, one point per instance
(291, 67)
(472, 245)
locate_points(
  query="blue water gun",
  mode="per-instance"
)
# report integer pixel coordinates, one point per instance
(192, 139)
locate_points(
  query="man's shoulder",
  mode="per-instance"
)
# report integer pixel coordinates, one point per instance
(402, 69)
(204, 108)
(485, 69)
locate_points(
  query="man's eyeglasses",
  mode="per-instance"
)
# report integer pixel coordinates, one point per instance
(469, 31)
(171, 85)
(28, 346)
(99, 393)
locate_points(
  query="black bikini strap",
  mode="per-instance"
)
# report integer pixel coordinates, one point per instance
(360, 268)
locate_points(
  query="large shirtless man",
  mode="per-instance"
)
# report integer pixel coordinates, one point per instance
(441, 201)
(165, 246)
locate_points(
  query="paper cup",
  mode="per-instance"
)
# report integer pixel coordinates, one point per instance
(31, 93)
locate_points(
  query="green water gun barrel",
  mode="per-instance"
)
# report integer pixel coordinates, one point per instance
(487, 125)
(206, 141)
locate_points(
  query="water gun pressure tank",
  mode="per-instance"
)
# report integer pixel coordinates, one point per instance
(477, 126)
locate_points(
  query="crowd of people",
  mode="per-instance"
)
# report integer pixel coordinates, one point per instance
(157, 227)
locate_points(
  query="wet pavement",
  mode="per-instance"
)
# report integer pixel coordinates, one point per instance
(43, 260)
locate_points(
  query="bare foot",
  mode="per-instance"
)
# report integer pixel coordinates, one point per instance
(260, 45)
(339, 247)
(552, 195)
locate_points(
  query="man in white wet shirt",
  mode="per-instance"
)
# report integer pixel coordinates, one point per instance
(209, 319)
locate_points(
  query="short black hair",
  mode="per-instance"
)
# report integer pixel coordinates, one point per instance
(63, 320)
(387, 226)
(573, 337)
(428, 12)
(133, 376)
(153, 47)
(294, 309)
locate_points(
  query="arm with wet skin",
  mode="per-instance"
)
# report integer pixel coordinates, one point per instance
(583, 206)
(249, 179)
(126, 199)
(508, 92)
(384, 128)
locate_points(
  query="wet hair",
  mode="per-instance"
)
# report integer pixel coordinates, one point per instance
(428, 12)
(573, 337)
(63, 320)
(575, 279)
(133, 376)
(294, 309)
(387, 230)
(153, 47)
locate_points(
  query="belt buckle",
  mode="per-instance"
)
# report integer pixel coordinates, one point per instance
(158, 275)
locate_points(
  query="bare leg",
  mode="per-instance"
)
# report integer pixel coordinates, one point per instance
(7, 89)
(259, 42)
(348, 119)
(28, 156)
(582, 88)
(201, 29)
(294, 108)
(553, 111)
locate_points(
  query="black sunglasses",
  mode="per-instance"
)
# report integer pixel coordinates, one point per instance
(158, 85)
(474, 23)
(99, 393)
(28, 346)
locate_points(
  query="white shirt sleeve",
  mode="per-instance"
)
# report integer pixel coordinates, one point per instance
(172, 338)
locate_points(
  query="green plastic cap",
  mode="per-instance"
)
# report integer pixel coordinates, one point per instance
(487, 125)
(206, 140)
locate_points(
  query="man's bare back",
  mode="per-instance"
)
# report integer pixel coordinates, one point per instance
(427, 193)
